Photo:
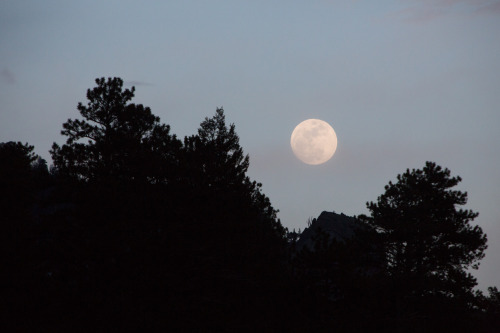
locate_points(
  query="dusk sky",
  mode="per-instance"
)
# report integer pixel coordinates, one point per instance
(402, 82)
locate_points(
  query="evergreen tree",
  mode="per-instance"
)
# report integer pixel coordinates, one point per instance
(125, 141)
(18, 164)
(227, 234)
(214, 164)
(214, 157)
(428, 241)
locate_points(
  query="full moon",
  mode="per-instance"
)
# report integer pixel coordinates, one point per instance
(313, 141)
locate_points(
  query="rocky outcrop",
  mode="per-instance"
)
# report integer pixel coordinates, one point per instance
(338, 226)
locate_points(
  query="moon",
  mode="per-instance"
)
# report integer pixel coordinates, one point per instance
(314, 141)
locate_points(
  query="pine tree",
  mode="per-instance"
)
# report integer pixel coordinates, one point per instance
(429, 242)
(125, 141)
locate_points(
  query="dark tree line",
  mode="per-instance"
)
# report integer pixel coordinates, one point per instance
(134, 229)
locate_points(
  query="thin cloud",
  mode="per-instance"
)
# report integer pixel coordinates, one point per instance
(491, 8)
(7, 76)
(420, 14)
(138, 83)
(427, 10)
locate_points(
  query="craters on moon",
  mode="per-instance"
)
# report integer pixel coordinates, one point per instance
(313, 141)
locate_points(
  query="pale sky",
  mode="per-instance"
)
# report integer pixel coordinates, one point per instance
(401, 82)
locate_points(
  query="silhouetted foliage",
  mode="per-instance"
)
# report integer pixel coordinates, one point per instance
(428, 242)
(20, 169)
(15, 163)
(124, 141)
(133, 229)
(492, 304)
(23, 175)
(16, 185)
(230, 237)
(137, 224)
(425, 235)
(214, 156)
